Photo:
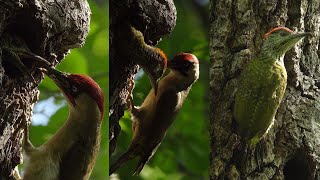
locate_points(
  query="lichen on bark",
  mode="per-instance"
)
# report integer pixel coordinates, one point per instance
(291, 148)
(49, 29)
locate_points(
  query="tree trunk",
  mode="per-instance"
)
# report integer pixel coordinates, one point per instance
(154, 19)
(291, 149)
(48, 29)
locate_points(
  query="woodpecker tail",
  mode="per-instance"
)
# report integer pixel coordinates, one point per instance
(130, 154)
(140, 165)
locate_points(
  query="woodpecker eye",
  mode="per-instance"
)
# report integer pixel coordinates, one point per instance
(186, 65)
(74, 89)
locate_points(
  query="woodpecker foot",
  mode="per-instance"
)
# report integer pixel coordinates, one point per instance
(129, 104)
(133, 109)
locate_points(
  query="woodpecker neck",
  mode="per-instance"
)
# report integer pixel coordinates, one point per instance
(268, 52)
(86, 108)
(271, 57)
(84, 118)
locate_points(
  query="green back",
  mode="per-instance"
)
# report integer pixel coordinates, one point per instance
(261, 88)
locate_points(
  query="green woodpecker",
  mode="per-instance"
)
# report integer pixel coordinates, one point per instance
(262, 85)
(153, 118)
(71, 152)
(152, 60)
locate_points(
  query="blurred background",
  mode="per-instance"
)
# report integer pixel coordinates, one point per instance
(184, 152)
(51, 110)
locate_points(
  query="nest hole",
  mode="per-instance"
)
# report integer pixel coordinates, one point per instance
(24, 26)
(298, 168)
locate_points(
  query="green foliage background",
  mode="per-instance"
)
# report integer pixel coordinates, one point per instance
(91, 59)
(184, 152)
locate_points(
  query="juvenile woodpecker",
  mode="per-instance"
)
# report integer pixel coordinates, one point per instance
(152, 60)
(262, 85)
(13, 49)
(153, 118)
(71, 152)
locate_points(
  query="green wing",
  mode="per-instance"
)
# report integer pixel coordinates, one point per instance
(260, 92)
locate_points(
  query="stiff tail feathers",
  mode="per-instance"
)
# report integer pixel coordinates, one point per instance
(140, 166)
(130, 154)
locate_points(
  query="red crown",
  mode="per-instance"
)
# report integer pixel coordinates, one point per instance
(281, 28)
(187, 57)
(91, 88)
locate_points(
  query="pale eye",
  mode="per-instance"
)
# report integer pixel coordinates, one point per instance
(74, 89)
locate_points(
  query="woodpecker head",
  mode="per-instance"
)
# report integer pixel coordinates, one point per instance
(156, 67)
(186, 66)
(279, 40)
(78, 89)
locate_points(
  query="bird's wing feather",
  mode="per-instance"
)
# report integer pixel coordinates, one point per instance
(166, 104)
(273, 93)
(166, 107)
(258, 98)
(77, 154)
(247, 97)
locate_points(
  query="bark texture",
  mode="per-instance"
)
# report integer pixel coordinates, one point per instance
(49, 29)
(154, 19)
(291, 149)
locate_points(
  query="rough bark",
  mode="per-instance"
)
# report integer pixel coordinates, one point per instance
(291, 149)
(154, 19)
(49, 29)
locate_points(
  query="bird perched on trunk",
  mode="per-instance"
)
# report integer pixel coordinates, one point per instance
(262, 85)
(71, 152)
(153, 118)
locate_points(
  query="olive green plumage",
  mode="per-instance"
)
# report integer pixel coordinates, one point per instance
(262, 85)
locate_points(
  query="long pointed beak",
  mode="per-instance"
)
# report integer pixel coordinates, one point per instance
(58, 77)
(42, 62)
(301, 35)
(294, 38)
(290, 41)
(154, 83)
(154, 79)
(171, 64)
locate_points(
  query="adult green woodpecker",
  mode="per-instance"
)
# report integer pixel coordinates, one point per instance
(262, 85)
(72, 151)
(153, 118)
